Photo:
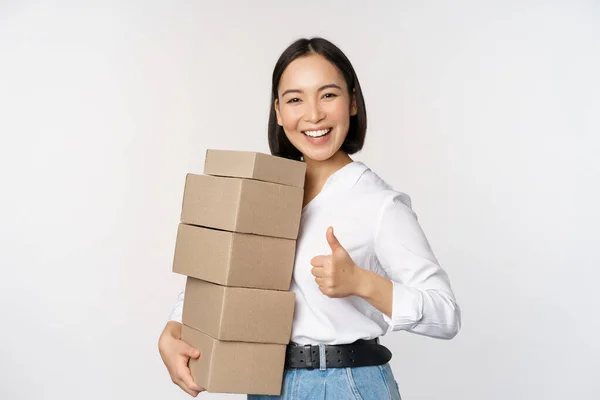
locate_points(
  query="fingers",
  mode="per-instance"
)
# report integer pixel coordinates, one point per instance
(189, 351)
(327, 291)
(318, 272)
(188, 381)
(176, 354)
(178, 379)
(193, 393)
(183, 378)
(319, 281)
(318, 261)
(324, 282)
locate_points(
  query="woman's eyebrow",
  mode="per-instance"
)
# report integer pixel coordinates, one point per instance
(328, 86)
(291, 91)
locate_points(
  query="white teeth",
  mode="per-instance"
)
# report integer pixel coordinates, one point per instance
(319, 133)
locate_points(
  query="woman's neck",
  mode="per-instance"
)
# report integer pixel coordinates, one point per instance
(317, 172)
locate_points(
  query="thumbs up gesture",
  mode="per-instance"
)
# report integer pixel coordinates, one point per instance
(336, 274)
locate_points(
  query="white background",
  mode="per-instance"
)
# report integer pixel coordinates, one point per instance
(485, 112)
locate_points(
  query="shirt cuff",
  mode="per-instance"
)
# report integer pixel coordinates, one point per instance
(407, 308)
(176, 313)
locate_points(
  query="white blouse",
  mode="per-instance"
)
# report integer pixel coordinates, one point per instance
(377, 227)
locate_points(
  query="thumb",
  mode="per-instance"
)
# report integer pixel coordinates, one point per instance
(332, 240)
(190, 351)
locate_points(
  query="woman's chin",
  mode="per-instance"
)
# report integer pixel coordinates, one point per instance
(318, 155)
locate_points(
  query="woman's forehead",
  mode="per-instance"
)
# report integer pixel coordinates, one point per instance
(310, 72)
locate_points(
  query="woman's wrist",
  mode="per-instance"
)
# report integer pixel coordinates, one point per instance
(364, 283)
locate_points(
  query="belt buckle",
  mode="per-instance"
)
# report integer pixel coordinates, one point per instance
(308, 357)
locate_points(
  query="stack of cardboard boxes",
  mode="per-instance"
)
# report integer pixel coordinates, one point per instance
(236, 244)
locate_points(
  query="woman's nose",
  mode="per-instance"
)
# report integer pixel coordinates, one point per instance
(314, 113)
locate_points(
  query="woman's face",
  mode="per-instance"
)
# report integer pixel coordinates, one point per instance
(314, 106)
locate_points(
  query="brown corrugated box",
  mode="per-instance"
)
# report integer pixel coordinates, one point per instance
(242, 205)
(259, 166)
(235, 367)
(234, 259)
(238, 314)
(239, 224)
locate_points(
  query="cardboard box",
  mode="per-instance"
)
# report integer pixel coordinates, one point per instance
(242, 205)
(252, 165)
(235, 367)
(234, 259)
(238, 314)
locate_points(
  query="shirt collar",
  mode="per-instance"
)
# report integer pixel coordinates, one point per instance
(347, 176)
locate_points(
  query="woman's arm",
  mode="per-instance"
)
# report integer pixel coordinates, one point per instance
(417, 297)
(422, 300)
(377, 290)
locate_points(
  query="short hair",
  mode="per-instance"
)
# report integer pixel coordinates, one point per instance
(279, 144)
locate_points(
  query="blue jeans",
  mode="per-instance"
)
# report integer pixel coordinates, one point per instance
(360, 383)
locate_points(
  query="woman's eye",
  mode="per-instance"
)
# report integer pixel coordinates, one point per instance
(329, 95)
(294, 100)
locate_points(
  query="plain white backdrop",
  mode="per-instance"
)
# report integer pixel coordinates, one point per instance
(487, 113)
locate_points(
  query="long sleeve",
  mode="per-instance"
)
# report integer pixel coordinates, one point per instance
(423, 301)
(177, 311)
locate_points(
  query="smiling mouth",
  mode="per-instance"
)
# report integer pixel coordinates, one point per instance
(318, 133)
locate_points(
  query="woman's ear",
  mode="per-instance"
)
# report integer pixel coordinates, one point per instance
(353, 108)
(276, 105)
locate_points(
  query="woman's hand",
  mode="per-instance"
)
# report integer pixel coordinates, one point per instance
(176, 353)
(336, 274)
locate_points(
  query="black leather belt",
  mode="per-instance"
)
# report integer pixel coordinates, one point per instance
(361, 353)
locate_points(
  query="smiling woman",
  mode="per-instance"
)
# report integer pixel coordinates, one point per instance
(375, 274)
